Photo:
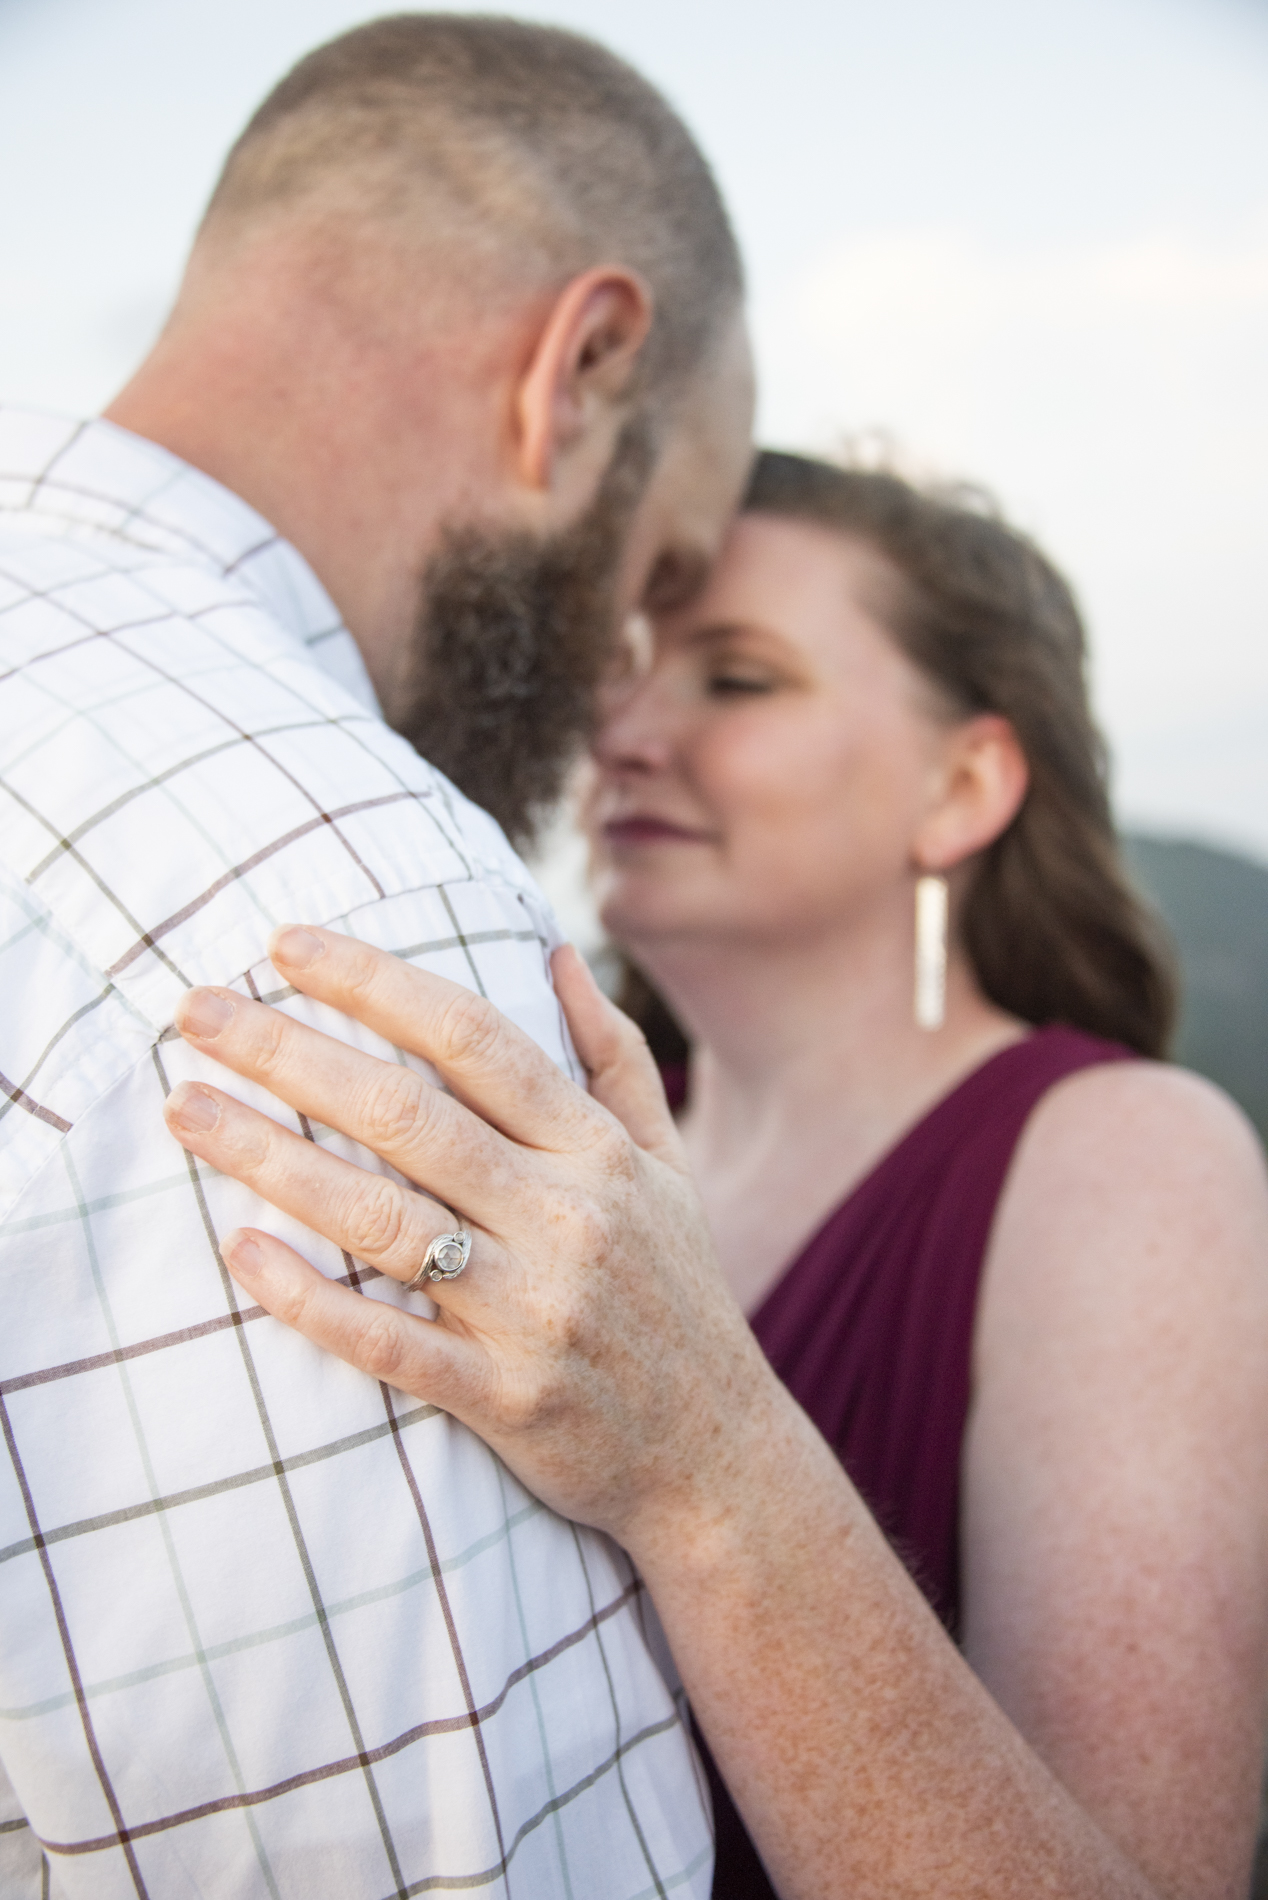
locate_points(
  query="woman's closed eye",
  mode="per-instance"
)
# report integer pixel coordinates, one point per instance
(725, 682)
(736, 660)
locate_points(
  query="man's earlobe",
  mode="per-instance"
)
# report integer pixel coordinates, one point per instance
(583, 362)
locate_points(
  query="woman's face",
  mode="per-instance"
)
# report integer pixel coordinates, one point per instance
(768, 777)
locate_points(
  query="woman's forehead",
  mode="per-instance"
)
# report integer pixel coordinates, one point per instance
(796, 578)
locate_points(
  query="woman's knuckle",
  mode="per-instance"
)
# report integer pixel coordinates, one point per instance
(247, 1141)
(515, 1396)
(271, 1030)
(360, 974)
(381, 1349)
(291, 1304)
(471, 1027)
(520, 1410)
(395, 1108)
(377, 1218)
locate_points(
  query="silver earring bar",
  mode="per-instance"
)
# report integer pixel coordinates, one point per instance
(931, 952)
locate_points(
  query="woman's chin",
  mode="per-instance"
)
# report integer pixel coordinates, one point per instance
(636, 909)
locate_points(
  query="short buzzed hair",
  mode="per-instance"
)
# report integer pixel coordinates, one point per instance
(535, 149)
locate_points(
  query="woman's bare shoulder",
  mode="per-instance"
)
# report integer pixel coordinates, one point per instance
(1136, 1186)
(1160, 1092)
(1123, 1131)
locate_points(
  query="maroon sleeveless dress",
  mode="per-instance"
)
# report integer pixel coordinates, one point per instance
(871, 1330)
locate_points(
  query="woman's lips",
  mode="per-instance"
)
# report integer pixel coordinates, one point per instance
(635, 831)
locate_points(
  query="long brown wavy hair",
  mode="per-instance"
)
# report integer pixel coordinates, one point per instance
(1051, 924)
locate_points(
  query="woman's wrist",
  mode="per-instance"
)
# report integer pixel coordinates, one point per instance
(727, 1506)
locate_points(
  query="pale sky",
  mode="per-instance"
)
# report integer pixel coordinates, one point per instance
(1026, 239)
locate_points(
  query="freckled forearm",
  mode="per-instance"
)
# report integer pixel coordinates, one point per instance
(863, 1754)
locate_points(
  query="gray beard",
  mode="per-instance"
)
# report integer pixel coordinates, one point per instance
(512, 638)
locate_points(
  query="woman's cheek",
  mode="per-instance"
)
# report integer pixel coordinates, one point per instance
(760, 761)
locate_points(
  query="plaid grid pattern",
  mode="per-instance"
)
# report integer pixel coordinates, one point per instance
(268, 1628)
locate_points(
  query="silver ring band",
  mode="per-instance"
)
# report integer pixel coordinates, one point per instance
(445, 1258)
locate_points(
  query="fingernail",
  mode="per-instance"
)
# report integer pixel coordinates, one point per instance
(242, 1252)
(204, 1014)
(296, 947)
(193, 1109)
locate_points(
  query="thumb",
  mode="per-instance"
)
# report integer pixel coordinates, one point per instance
(623, 1077)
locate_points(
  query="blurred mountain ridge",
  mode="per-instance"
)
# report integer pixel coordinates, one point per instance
(1215, 905)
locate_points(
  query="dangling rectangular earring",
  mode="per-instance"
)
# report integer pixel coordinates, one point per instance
(931, 952)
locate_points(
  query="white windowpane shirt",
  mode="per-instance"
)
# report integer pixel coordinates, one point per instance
(266, 1626)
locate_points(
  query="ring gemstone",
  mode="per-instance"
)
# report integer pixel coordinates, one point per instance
(444, 1259)
(448, 1259)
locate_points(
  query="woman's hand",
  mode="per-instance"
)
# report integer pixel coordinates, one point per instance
(591, 1340)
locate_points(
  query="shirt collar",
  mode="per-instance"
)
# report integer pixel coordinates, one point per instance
(96, 479)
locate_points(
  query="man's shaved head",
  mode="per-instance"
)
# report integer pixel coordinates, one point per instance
(531, 152)
(464, 323)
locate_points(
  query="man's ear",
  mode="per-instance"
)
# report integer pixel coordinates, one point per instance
(984, 780)
(568, 399)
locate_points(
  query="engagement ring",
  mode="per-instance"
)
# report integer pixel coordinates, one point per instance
(445, 1258)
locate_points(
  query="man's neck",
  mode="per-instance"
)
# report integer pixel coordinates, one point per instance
(356, 467)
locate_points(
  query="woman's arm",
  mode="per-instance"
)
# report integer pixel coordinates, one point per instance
(1116, 1510)
(593, 1344)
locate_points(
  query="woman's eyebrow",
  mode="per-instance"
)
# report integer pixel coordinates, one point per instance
(717, 632)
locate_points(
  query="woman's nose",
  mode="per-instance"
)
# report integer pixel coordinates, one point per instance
(635, 730)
